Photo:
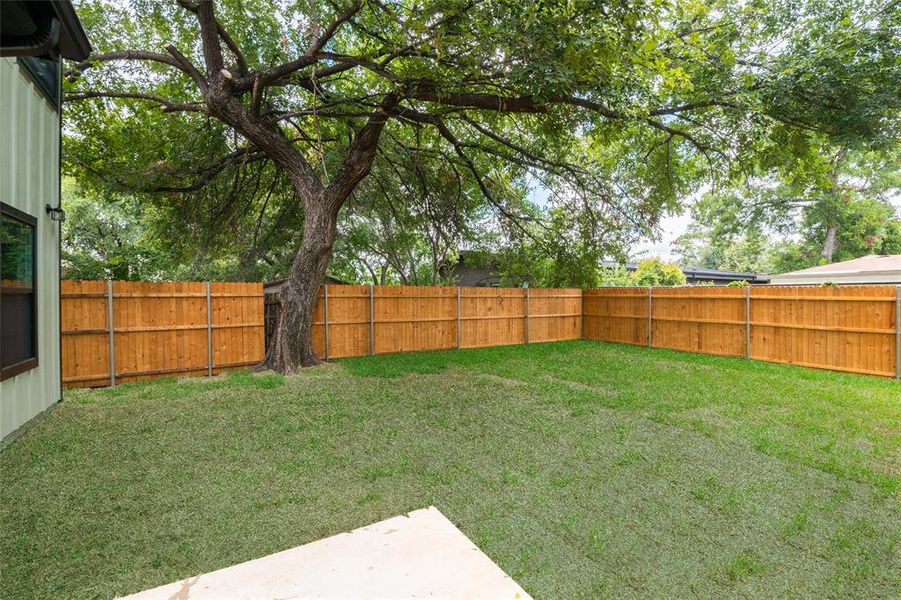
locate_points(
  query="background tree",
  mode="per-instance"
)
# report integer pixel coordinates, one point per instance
(618, 109)
(835, 207)
(406, 225)
(105, 239)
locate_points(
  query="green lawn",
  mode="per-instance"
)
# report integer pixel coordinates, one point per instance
(583, 469)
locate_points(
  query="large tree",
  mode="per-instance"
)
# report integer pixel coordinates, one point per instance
(618, 107)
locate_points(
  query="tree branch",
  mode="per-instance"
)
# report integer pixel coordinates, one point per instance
(361, 153)
(320, 42)
(188, 67)
(73, 73)
(209, 37)
(311, 56)
(168, 105)
(240, 63)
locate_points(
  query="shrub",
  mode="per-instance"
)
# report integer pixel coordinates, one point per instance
(655, 272)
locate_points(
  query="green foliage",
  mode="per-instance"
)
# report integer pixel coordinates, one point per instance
(405, 223)
(655, 272)
(111, 238)
(616, 277)
(744, 251)
(662, 98)
(827, 209)
(741, 283)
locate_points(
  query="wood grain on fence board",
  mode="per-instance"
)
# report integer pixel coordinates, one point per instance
(847, 328)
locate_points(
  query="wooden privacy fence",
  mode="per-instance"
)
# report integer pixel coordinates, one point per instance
(356, 320)
(115, 331)
(848, 328)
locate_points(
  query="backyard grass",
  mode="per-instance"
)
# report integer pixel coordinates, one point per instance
(583, 469)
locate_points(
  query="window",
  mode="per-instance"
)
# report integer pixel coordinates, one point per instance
(18, 302)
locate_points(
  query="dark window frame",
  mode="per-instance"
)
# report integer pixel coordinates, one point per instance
(29, 363)
(27, 64)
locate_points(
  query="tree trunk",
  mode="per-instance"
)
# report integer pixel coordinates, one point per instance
(829, 243)
(291, 346)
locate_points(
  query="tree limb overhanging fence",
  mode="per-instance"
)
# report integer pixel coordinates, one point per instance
(196, 328)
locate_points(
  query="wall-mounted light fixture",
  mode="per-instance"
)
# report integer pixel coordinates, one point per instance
(56, 214)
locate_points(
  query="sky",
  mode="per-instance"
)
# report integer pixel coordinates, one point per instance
(671, 227)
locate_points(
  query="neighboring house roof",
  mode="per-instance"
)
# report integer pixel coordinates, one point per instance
(42, 28)
(695, 274)
(874, 268)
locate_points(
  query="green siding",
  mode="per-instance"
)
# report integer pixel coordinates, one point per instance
(29, 180)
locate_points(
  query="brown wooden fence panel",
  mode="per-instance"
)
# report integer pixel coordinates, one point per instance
(709, 320)
(159, 328)
(414, 318)
(348, 323)
(237, 310)
(616, 315)
(85, 334)
(492, 317)
(555, 314)
(164, 328)
(848, 328)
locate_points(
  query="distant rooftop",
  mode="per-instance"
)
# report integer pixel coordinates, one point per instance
(875, 268)
(696, 274)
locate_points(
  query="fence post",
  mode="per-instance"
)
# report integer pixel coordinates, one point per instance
(528, 296)
(650, 318)
(109, 327)
(898, 332)
(209, 332)
(748, 322)
(581, 314)
(458, 317)
(325, 315)
(371, 322)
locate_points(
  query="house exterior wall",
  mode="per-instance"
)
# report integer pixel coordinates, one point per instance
(29, 180)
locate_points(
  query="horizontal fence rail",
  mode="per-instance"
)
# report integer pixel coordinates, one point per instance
(120, 331)
(125, 331)
(847, 328)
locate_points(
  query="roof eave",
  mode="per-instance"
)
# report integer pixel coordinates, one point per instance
(74, 45)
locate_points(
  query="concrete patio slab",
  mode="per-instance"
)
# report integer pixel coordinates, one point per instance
(418, 555)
